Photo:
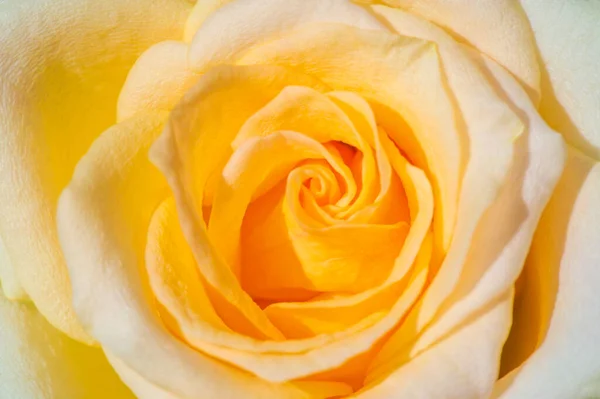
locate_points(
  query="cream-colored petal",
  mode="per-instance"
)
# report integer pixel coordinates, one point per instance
(498, 28)
(188, 151)
(565, 249)
(172, 271)
(342, 347)
(103, 217)
(463, 365)
(496, 255)
(142, 388)
(39, 362)
(157, 80)
(236, 26)
(11, 286)
(63, 64)
(201, 11)
(146, 390)
(567, 34)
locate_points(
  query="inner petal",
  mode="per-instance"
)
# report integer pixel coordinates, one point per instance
(416, 244)
(255, 167)
(305, 110)
(341, 257)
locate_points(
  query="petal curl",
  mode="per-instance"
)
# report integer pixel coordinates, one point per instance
(39, 362)
(564, 263)
(238, 25)
(201, 11)
(497, 28)
(157, 80)
(11, 286)
(58, 92)
(460, 366)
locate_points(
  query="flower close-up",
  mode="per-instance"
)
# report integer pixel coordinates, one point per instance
(312, 199)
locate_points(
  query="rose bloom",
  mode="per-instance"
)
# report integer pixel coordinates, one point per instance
(299, 199)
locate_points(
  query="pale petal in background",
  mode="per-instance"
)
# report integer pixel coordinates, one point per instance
(63, 63)
(559, 309)
(39, 362)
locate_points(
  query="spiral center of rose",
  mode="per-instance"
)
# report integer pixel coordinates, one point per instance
(308, 204)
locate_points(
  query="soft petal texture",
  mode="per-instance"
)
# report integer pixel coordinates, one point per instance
(238, 25)
(459, 367)
(103, 218)
(566, 248)
(141, 388)
(172, 270)
(11, 286)
(495, 27)
(39, 362)
(201, 11)
(157, 80)
(63, 63)
(489, 269)
(567, 34)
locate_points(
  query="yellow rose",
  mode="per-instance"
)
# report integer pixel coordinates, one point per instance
(299, 199)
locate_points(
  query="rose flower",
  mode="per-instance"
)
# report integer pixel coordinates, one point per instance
(299, 199)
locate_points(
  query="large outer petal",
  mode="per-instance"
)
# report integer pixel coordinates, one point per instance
(39, 362)
(495, 27)
(567, 34)
(566, 243)
(62, 64)
(236, 27)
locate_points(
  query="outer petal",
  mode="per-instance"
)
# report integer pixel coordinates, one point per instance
(568, 38)
(237, 26)
(566, 243)
(201, 11)
(39, 362)
(494, 27)
(459, 367)
(62, 65)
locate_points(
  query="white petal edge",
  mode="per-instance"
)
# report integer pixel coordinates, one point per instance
(237, 26)
(569, 358)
